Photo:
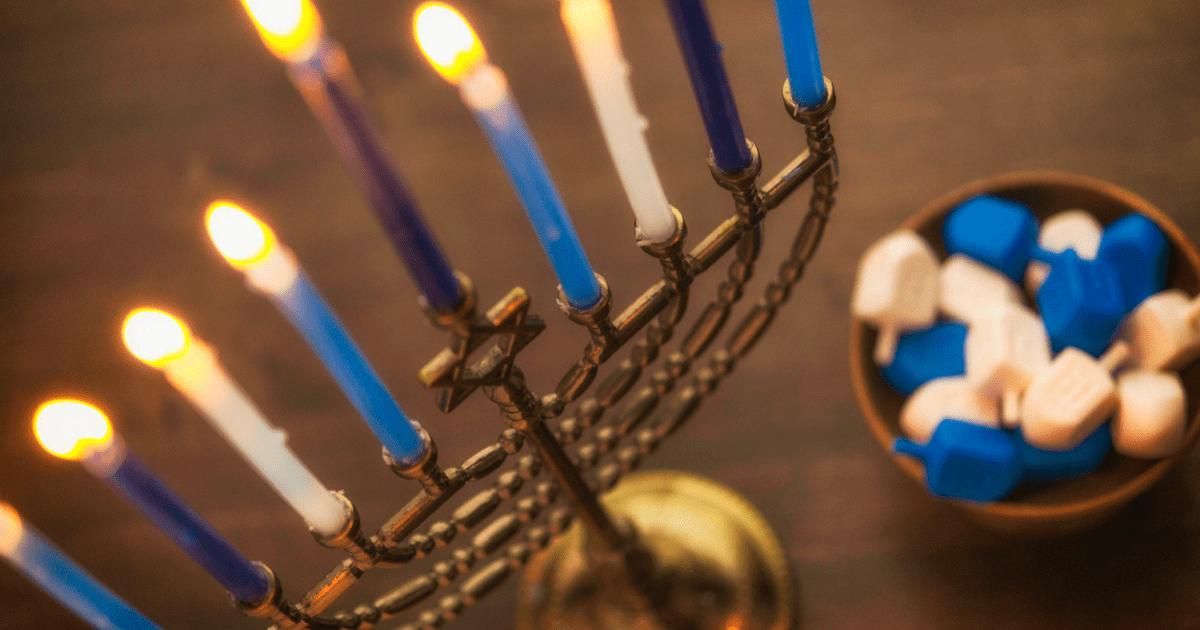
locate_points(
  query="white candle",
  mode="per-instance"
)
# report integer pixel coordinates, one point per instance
(598, 51)
(191, 366)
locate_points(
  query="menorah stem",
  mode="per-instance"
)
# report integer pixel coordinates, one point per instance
(523, 412)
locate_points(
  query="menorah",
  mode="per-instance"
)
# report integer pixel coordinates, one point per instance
(563, 586)
(664, 549)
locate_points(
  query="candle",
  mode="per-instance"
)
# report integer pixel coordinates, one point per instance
(39, 560)
(191, 366)
(75, 430)
(799, 36)
(292, 31)
(598, 51)
(457, 54)
(271, 268)
(703, 56)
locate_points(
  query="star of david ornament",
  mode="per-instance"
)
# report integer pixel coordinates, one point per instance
(510, 323)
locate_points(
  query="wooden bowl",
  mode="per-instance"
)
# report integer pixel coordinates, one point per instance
(1054, 506)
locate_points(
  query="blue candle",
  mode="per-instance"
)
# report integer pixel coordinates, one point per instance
(454, 50)
(72, 429)
(799, 36)
(312, 317)
(703, 56)
(39, 560)
(318, 66)
(506, 130)
(249, 245)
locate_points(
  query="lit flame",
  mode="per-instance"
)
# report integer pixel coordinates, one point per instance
(154, 336)
(291, 29)
(241, 238)
(66, 428)
(10, 529)
(447, 40)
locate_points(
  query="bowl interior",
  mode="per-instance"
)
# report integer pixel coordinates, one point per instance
(1119, 478)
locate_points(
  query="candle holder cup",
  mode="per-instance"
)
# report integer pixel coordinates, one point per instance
(592, 561)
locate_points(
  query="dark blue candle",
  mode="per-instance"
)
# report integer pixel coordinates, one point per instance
(166, 510)
(703, 56)
(328, 85)
(799, 36)
(73, 429)
(293, 32)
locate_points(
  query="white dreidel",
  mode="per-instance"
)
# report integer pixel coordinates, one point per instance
(1066, 402)
(1151, 415)
(1069, 229)
(967, 288)
(896, 289)
(1163, 333)
(1005, 350)
(950, 397)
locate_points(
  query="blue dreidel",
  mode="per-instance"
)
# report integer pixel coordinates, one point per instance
(1045, 465)
(1139, 251)
(997, 232)
(924, 355)
(1081, 302)
(967, 461)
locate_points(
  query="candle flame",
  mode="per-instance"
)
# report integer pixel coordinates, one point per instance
(291, 29)
(241, 238)
(155, 337)
(447, 40)
(66, 428)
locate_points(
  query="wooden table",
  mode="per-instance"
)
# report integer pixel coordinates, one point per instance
(121, 120)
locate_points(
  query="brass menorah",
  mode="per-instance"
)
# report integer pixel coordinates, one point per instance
(620, 561)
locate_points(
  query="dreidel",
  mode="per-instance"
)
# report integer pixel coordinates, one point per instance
(951, 397)
(896, 289)
(996, 232)
(1151, 415)
(967, 288)
(1005, 350)
(1076, 230)
(1139, 251)
(1081, 302)
(1047, 465)
(1163, 333)
(967, 461)
(1067, 401)
(924, 355)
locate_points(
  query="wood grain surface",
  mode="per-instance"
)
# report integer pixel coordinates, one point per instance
(120, 119)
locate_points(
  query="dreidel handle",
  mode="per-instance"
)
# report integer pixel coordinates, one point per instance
(909, 447)
(885, 344)
(1114, 357)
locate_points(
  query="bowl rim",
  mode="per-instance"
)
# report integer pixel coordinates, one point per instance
(883, 433)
